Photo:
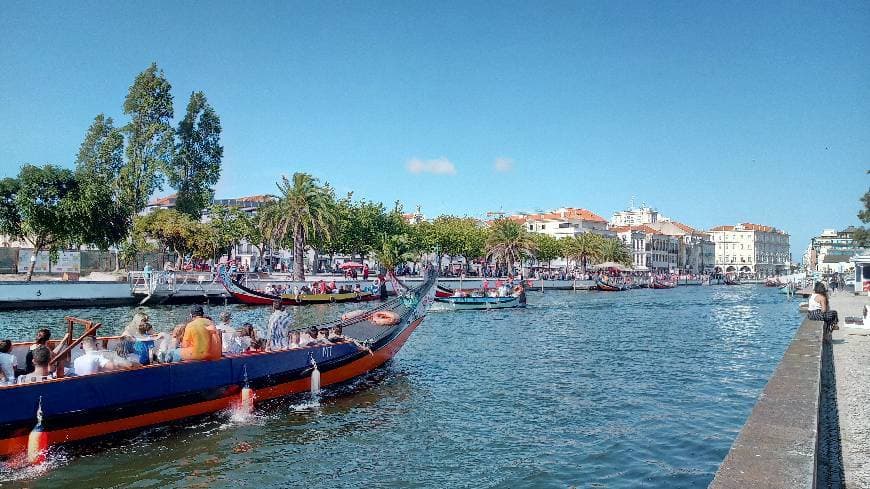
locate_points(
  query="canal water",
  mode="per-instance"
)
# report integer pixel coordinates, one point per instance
(645, 388)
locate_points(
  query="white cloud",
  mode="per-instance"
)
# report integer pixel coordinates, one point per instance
(503, 165)
(438, 166)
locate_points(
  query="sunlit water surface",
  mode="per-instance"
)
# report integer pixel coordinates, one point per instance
(643, 388)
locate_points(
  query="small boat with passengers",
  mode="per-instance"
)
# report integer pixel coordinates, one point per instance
(462, 300)
(605, 285)
(74, 408)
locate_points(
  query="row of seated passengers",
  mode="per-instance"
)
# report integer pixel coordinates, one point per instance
(316, 288)
(199, 339)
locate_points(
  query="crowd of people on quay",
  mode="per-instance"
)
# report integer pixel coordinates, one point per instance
(201, 338)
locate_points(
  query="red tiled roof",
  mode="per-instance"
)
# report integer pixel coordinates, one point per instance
(168, 200)
(570, 213)
(722, 228)
(685, 228)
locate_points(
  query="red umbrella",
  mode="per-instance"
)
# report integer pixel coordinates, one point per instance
(350, 264)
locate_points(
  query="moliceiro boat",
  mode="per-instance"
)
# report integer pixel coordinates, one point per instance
(76, 408)
(661, 284)
(250, 296)
(610, 286)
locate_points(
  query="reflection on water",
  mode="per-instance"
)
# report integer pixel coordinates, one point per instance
(642, 388)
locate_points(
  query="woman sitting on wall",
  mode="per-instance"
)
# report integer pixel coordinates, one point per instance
(820, 310)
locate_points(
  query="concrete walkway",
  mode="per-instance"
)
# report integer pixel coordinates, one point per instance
(851, 355)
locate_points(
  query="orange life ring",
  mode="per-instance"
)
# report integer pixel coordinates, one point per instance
(385, 318)
(352, 314)
(518, 289)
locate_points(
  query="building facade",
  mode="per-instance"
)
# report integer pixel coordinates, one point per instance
(751, 250)
(635, 217)
(651, 250)
(697, 253)
(564, 222)
(831, 250)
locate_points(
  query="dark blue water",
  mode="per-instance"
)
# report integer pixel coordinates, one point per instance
(644, 388)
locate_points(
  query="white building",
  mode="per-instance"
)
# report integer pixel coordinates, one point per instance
(751, 250)
(650, 249)
(564, 222)
(831, 250)
(637, 217)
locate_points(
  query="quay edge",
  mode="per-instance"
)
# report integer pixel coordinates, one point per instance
(778, 445)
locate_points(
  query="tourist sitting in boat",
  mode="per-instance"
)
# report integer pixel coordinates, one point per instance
(168, 345)
(93, 361)
(226, 330)
(198, 342)
(247, 340)
(294, 338)
(335, 335)
(42, 337)
(8, 363)
(279, 326)
(40, 356)
(140, 340)
(819, 309)
(323, 336)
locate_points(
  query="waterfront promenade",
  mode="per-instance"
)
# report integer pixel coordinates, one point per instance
(811, 425)
(851, 365)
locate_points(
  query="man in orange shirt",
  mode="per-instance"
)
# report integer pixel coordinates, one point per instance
(200, 333)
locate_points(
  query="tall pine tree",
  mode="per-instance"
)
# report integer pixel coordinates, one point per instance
(196, 166)
(150, 138)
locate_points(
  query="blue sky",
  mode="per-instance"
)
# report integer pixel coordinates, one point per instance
(713, 112)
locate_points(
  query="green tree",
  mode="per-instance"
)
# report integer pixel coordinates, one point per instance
(150, 138)
(101, 218)
(394, 251)
(615, 250)
(509, 243)
(226, 226)
(307, 209)
(173, 231)
(45, 201)
(584, 248)
(262, 229)
(472, 239)
(862, 235)
(548, 248)
(196, 166)
(10, 217)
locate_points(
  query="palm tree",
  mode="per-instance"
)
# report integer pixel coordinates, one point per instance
(306, 209)
(585, 248)
(509, 243)
(613, 249)
(394, 251)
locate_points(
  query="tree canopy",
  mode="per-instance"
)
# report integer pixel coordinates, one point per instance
(196, 165)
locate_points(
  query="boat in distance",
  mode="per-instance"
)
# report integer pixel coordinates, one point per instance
(253, 297)
(480, 303)
(610, 286)
(76, 408)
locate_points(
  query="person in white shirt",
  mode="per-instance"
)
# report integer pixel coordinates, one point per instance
(8, 363)
(92, 361)
(228, 333)
(41, 359)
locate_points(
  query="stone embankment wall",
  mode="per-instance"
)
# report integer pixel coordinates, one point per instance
(778, 445)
